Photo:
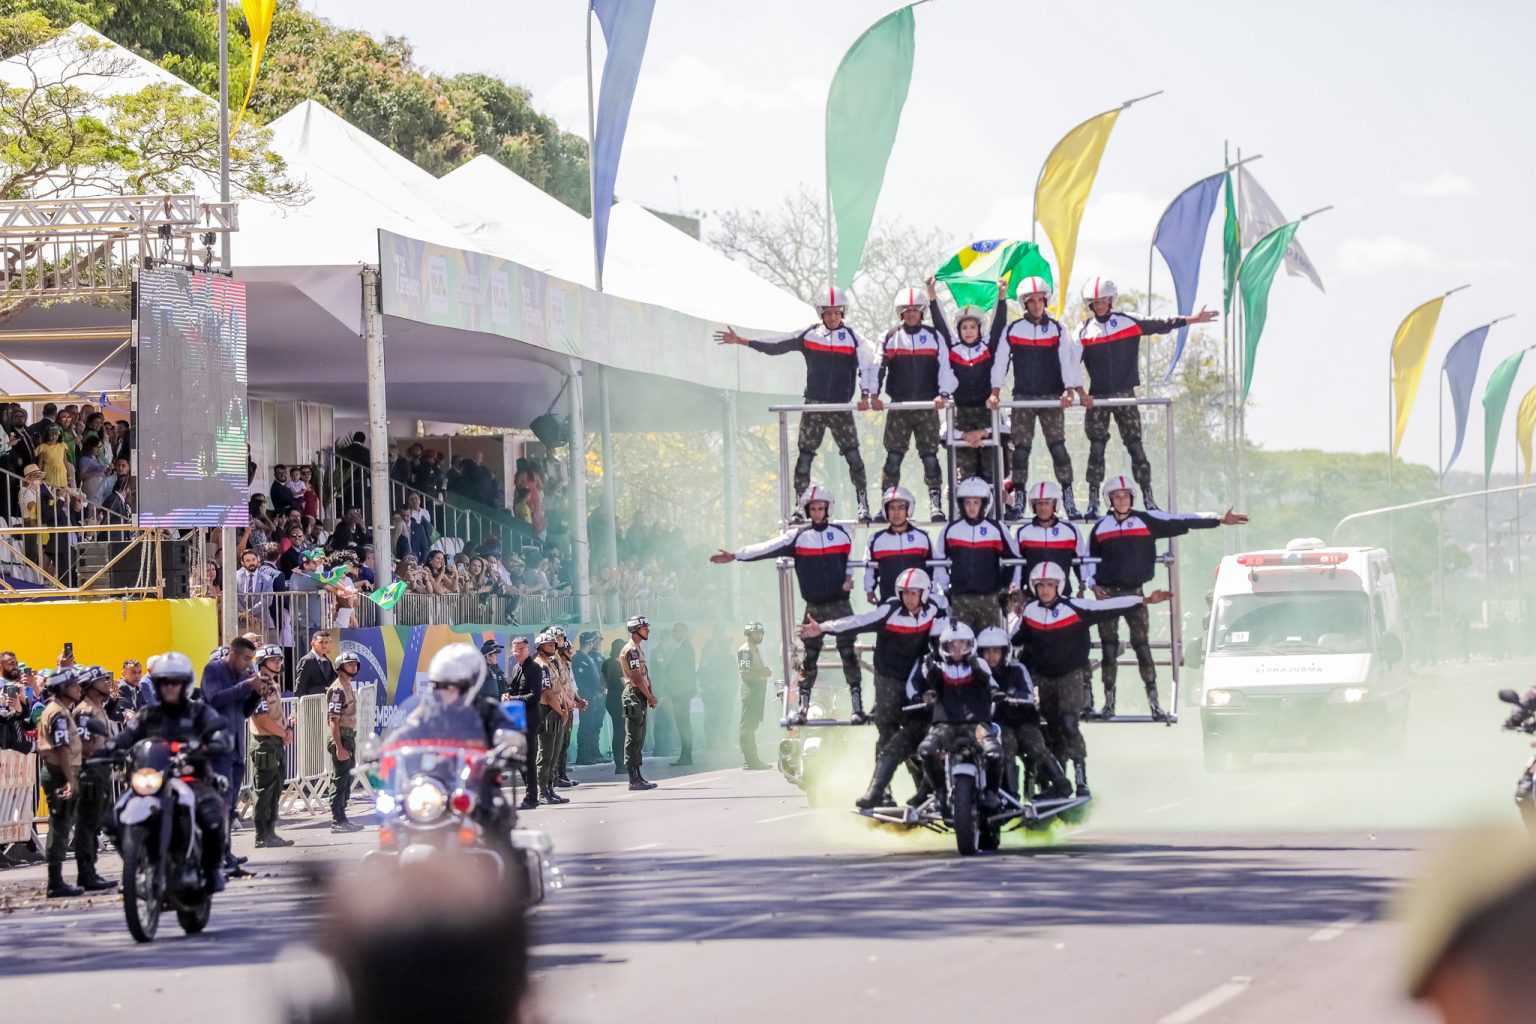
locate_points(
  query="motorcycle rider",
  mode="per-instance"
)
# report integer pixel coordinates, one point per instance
(1047, 366)
(896, 548)
(272, 729)
(59, 750)
(961, 690)
(1018, 715)
(638, 698)
(971, 551)
(968, 383)
(1111, 352)
(94, 716)
(820, 552)
(755, 674)
(177, 718)
(1053, 640)
(913, 367)
(836, 358)
(1122, 558)
(1049, 538)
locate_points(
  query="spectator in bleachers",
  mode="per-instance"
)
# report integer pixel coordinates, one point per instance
(350, 533)
(88, 469)
(53, 459)
(292, 549)
(283, 498)
(441, 577)
(119, 503)
(309, 498)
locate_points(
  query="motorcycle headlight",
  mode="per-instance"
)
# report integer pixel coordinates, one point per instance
(425, 800)
(147, 781)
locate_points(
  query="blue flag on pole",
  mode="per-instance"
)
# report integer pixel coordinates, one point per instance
(626, 26)
(1461, 373)
(1180, 237)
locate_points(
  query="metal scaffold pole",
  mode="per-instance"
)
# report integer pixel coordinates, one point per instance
(378, 439)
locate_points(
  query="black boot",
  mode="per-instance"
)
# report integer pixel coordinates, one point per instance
(1146, 499)
(936, 782)
(637, 782)
(1091, 514)
(57, 887)
(1068, 506)
(1014, 511)
(856, 695)
(936, 505)
(1081, 769)
(1156, 709)
(885, 770)
(273, 839)
(213, 865)
(863, 502)
(802, 708)
(92, 882)
(1056, 786)
(549, 796)
(530, 801)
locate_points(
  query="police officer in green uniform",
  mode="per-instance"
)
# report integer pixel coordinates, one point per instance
(271, 728)
(93, 797)
(638, 698)
(341, 717)
(58, 748)
(754, 694)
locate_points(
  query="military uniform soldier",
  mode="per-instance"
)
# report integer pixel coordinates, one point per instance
(638, 697)
(93, 797)
(754, 693)
(59, 748)
(272, 728)
(341, 714)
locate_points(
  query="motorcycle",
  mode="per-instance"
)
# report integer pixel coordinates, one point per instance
(159, 840)
(438, 794)
(1525, 789)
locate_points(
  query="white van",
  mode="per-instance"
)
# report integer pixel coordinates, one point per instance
(1303, 651)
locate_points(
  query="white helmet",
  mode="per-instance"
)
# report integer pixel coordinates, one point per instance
(816, 492)
(1049, 571)
(831, 297)
(992, 636)
(1033, 286)
(914, 579)
(906, 298)
(1099, 288)
(1045, 490)
(461, 666)
(968, 313)
(898, 494)
(957, 632)
(1118, 483)
(170, 667)
(974, 487)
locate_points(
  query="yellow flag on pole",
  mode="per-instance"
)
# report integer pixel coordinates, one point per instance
(1525, 425)
(258, 17)
(1410, 348)
(1062, 191)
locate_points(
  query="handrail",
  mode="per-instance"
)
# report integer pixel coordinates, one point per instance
(452, 520)
(89, 504)
(1017, 403)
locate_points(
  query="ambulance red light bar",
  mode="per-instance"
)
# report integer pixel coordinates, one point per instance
(1286, 558)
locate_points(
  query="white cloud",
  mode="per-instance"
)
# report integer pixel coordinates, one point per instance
(1382, 255)
(1445, 185)
(647, 134)
(1113, 219)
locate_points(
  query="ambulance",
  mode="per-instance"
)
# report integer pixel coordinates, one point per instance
(1303, 653)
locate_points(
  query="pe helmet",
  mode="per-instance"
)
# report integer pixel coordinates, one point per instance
(60, 678)
(968, 313)
(831, 298)
(908, 298)
(460, 666)
(974, 487)
(1045, 490)
(914, 579)
(1048, 571)
(170, 667)
(1118, 483)
(1033, 286)
(637, 623)
(957, 632)
(816, 492)
(897, 494)
(546, 637)
(1099, 288)
(348, 658)
(992, 636)
(268, 652)
(752, 629)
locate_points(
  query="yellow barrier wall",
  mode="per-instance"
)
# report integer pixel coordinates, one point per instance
(106, 632)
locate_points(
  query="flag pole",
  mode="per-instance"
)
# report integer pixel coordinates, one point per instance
(1035, 201)
(1240, 357)
(597, 263)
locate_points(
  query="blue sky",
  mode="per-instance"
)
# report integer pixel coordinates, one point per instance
(1410, 118)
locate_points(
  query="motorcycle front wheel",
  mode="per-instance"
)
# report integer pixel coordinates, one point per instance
(967, 827)
(143, 886)
(195, 918)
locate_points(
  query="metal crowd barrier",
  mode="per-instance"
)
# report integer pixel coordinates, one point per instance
(306, 762)
(18, 797)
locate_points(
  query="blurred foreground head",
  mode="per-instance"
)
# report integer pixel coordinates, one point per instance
(1471, 926)
(444, 940)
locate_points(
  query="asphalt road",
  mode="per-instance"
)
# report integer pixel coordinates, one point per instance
(1260, 896)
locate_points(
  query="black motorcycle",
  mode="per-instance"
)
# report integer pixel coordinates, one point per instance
(1525, 789)
(159, 840)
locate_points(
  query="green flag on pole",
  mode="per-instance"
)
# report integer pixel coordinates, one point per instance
(863, 109)
(1231, 249)
(972, 273)
(1495, 399)
(1253, 280)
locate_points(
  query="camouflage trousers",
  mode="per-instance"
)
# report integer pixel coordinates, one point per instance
(903, 427)
(946, 736)
(821, 611)
(976, 610)
(970, 461)
(1062, 699)
(1053, 425)
(813, 429)
(1128, 421)
(1138, 621)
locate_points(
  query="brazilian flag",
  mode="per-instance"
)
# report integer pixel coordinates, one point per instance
(972, 273)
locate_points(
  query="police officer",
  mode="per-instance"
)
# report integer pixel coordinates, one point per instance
(93, 716)
(638, 698)
(836, 359)
(1047, 537)
(971, 551)
(555, 715)
(272, 729)
(341, 719)
(1018, 714)
(754, 694)
(896, 548)
(59, 750)
(525, 685)
(586, 667)
(495, 686)
(913, 367)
